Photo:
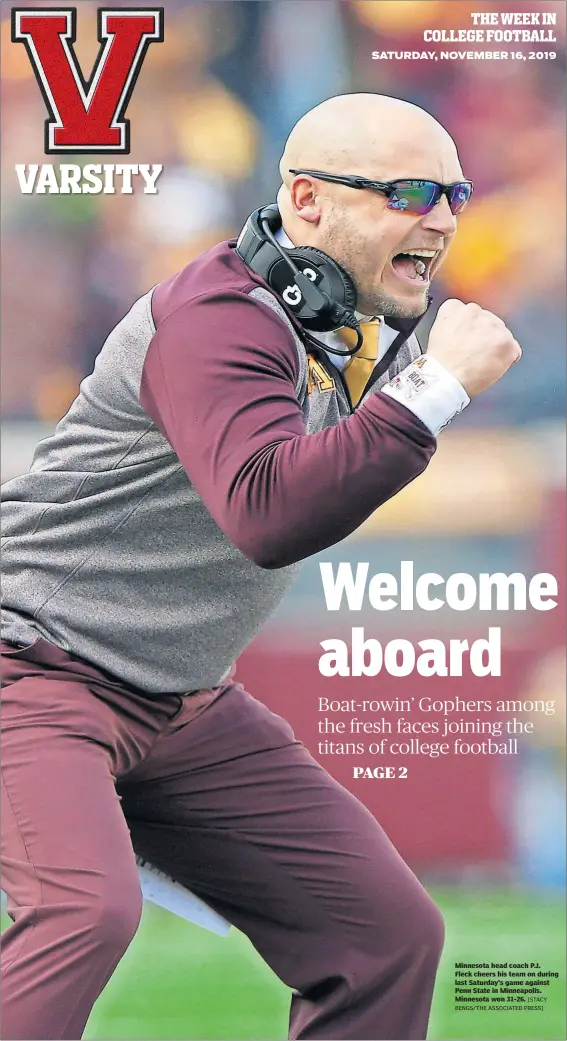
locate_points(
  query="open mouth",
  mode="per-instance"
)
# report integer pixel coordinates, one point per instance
(415, 265)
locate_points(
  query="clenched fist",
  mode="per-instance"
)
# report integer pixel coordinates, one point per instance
(474, 344)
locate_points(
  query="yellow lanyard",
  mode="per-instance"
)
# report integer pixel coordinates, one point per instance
(358, 369)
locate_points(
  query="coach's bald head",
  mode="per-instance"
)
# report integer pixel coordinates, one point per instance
(383, 139)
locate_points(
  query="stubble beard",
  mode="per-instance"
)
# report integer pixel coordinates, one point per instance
(344, 246)
(378, 302)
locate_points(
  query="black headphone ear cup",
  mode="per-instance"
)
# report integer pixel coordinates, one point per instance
(342, 276)
(315, 288)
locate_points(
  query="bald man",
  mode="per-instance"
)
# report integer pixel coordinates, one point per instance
(159, 527)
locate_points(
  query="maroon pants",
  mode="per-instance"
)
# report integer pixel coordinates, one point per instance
(214, 790)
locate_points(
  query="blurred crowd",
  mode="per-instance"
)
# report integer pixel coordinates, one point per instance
(214, 104)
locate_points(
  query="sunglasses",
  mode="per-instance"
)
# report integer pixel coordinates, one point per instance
(410, 196)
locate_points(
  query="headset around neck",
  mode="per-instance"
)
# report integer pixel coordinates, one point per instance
(320, 294)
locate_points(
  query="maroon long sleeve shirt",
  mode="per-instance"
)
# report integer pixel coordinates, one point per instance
(237, 411)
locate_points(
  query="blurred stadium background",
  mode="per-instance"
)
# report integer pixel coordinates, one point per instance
(214, 104)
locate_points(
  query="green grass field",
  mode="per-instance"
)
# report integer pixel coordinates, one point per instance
(179, 982)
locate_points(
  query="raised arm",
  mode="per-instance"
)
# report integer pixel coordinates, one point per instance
(219, 382)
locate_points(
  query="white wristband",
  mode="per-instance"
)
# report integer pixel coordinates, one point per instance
(430, 391)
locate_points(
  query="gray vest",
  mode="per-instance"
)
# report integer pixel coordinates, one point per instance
(110, 553)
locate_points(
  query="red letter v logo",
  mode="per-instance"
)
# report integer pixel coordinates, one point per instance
(87, 116)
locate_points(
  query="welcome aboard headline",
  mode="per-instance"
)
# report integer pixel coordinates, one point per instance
(461, 592)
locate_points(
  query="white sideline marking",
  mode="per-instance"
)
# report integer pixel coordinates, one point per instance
(162, 890)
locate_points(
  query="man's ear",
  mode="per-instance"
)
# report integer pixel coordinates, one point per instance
(305, 199)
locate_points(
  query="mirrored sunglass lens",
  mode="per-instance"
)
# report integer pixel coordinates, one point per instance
(459, 196)
(414, 196)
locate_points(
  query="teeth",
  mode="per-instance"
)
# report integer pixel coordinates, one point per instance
(420, 267)
(422, 252)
